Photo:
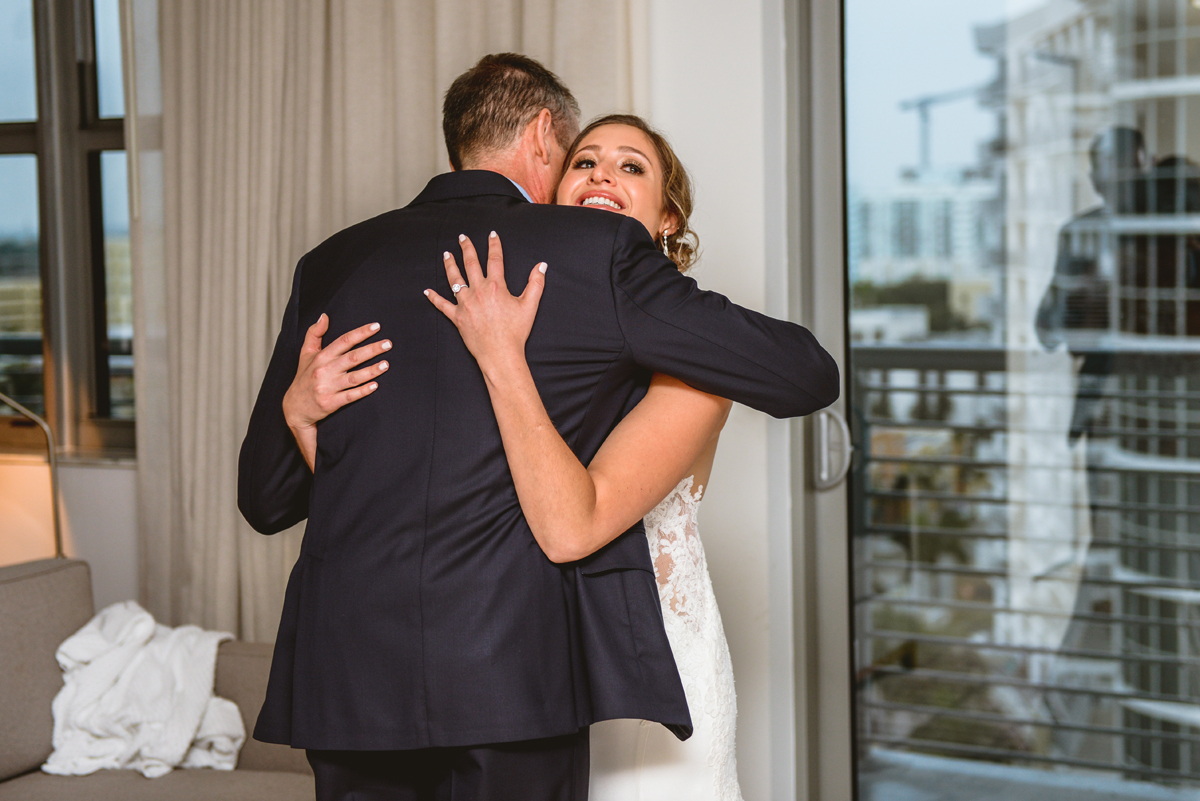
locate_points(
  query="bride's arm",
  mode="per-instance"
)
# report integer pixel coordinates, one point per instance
(572, 510)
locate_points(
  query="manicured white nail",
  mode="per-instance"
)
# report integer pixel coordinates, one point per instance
(372, 386)
(383, 365)
(462, 237)
(425, 293)
(387, 344)
(542, 268)
(446, 255)
(374, 326)
(492, 235)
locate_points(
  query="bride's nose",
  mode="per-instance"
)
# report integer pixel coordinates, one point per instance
(600, 175)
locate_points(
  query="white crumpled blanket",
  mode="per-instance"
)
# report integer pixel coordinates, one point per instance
(139, 695)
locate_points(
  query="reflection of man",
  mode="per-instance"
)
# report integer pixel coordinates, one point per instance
(1092, 259)
(1121, 299)
(1076, 306)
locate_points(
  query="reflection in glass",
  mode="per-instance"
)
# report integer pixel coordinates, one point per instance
(118, 283)
(18, 100)
(1023, 225)
(20, 283)
(107, 21)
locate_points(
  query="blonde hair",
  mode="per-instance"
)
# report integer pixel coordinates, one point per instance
(682, 244)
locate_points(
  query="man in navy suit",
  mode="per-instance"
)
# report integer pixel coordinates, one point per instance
(428, 647)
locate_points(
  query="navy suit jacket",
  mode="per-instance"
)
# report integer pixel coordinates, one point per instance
(421, 611)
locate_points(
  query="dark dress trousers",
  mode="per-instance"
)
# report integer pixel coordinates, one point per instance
(421, 612)
(553, 769)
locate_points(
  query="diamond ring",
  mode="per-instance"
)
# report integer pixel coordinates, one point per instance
(456, 288)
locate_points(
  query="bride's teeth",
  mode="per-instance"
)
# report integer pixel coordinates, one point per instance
(598, 201)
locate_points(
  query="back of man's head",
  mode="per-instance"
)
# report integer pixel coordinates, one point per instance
(1117, 152)
(488, 107)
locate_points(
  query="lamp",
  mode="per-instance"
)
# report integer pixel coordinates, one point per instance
(58, 541)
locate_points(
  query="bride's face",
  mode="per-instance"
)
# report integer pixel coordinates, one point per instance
(617, 169)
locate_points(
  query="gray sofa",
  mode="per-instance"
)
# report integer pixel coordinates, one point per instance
(43, 603)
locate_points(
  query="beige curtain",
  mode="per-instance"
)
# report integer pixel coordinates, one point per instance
(256, 129)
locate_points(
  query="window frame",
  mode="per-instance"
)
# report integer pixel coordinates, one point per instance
(67, 140)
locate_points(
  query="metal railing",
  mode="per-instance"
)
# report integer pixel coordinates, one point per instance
(21, 369)
(1026, 593)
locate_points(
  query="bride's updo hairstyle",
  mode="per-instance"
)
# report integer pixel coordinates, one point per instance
(682, 246)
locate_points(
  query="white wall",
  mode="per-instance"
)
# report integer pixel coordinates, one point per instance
(98, 517)
(707, 91)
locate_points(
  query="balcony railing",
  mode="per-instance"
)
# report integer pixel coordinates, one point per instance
(1026, 592)
(21, 371)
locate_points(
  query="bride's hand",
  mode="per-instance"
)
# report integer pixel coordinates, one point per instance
(326, 379)
(493, 322)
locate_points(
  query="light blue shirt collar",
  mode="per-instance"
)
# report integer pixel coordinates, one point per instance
(523, 192)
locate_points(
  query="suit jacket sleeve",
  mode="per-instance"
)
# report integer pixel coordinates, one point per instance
(702, 338)
(273, 479)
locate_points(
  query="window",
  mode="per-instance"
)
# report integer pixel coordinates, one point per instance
(66, 322)
(864, 231)
(20, 278)
(943, 229)
(905, 234)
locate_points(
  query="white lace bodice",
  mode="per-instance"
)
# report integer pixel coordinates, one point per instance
(679, 562)
(694, 629)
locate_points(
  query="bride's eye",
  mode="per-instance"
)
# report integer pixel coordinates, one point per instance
(583, 164)
(633, 167)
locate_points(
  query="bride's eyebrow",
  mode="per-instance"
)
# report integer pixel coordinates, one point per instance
(628, 149)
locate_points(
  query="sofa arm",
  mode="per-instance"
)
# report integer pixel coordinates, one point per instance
(242, 671)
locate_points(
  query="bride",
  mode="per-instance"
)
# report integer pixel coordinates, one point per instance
(655, 464)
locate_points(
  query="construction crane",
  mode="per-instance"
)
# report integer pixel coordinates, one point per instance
(922, 104)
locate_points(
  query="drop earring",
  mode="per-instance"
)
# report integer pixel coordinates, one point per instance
(666, 252)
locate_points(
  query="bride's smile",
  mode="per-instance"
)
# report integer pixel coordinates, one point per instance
(602, 199)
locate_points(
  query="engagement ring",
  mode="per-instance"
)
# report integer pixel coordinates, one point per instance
(456, 288)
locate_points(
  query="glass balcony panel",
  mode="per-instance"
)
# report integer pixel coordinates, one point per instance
(1023, 246)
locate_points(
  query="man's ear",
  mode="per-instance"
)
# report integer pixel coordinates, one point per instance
(543, 131)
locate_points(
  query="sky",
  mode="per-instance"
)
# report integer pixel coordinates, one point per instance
(901, 50)
(18, 102)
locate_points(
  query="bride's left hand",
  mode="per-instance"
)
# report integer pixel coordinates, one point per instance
(493, 322)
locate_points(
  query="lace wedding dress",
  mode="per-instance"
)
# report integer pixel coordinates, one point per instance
(635, 760)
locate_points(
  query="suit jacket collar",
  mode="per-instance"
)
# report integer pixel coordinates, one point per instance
(467, 183)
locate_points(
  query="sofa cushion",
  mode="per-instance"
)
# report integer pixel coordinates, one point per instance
(242, 672)
(41, 604)
(178, 785)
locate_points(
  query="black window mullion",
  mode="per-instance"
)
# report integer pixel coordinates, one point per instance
(18, 137)
(95, 134)
(100, 347)
(109, 136)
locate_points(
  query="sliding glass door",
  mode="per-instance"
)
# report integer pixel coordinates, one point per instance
(1022, 220)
